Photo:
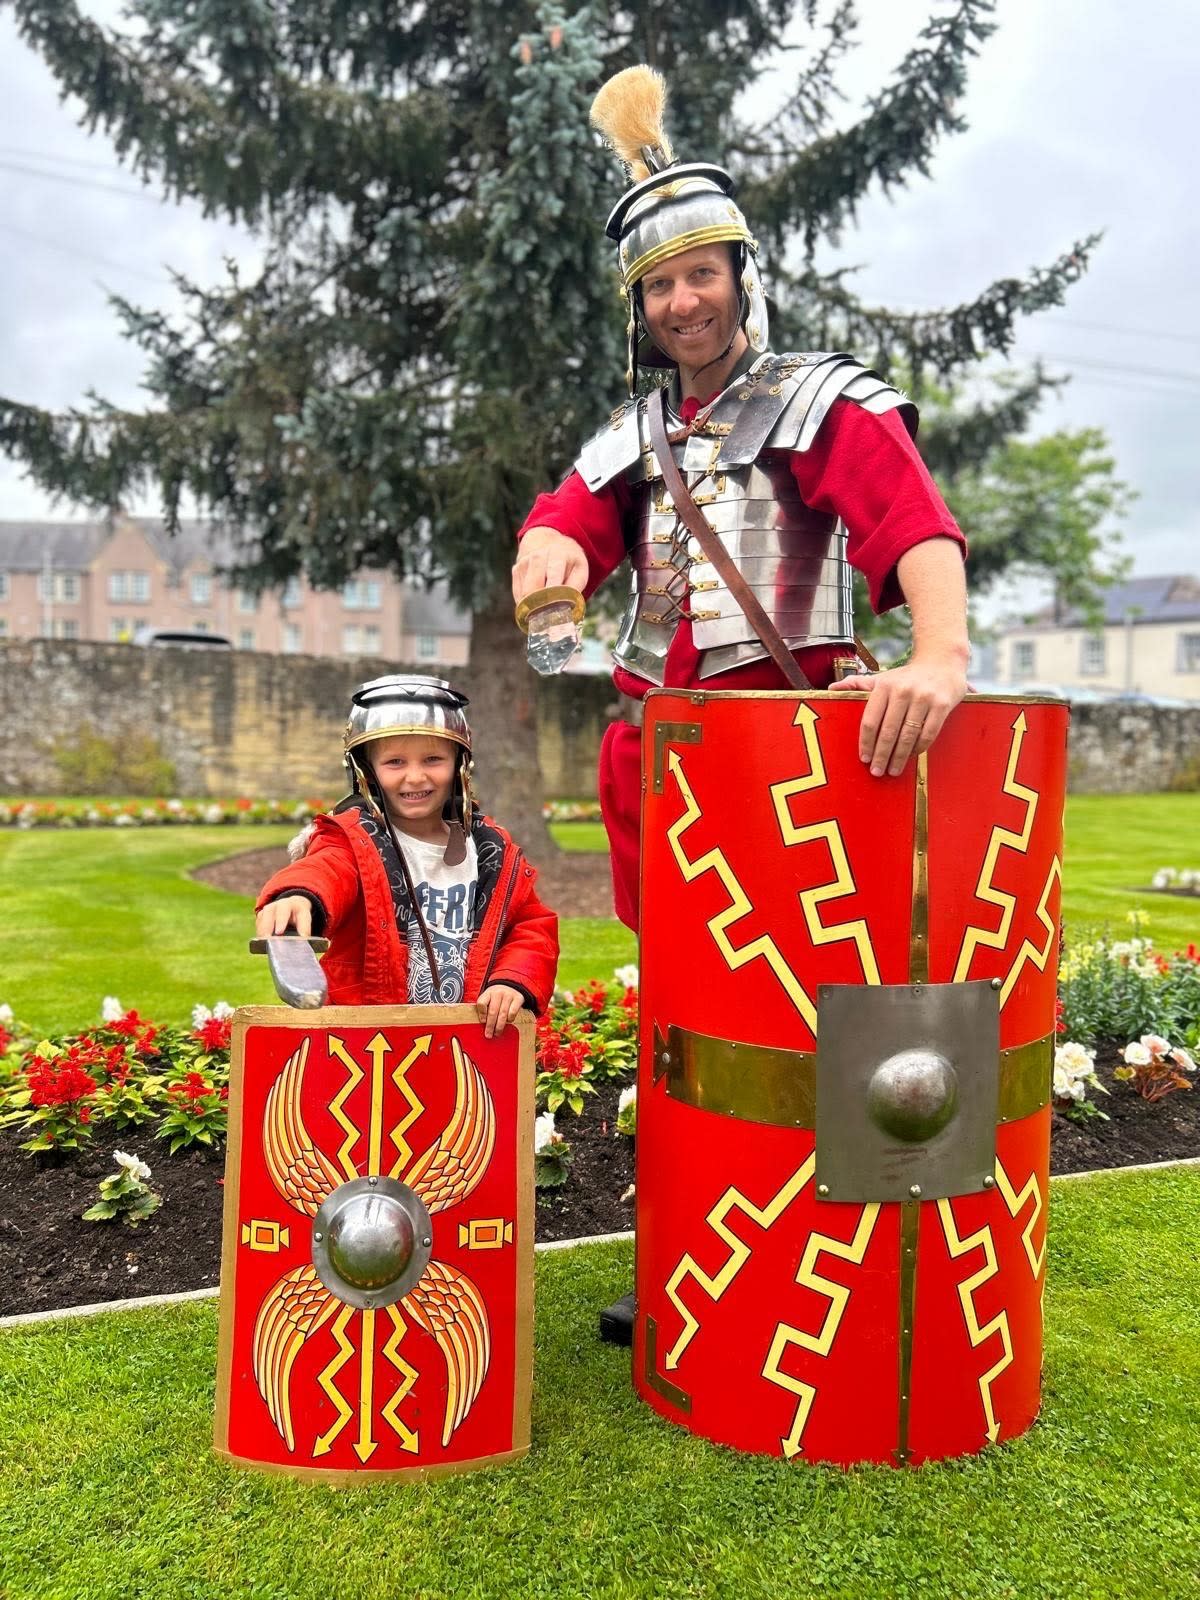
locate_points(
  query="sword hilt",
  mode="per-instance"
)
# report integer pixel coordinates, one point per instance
(298, 976)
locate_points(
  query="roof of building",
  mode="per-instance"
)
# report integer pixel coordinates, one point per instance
(71, 546)
(433, 611)
(1169, 597)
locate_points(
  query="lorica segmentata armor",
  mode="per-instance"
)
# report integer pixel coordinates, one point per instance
(737, 467)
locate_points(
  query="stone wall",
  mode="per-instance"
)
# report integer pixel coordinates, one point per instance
(237, 722)
(245, 723)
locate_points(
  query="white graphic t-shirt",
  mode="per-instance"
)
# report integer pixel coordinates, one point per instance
(446, 896)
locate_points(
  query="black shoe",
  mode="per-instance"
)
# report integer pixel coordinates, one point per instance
(616, 1321)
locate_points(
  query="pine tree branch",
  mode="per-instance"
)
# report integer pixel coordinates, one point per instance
(818, 189)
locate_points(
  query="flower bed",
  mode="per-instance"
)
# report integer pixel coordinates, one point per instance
(83, 1116)
(154, 813)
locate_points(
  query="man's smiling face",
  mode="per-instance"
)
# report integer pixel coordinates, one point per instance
(690, 303)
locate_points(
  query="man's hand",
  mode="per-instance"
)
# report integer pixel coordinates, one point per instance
(906, 710)
(545, 559)
(498, 1005)
(275, 918)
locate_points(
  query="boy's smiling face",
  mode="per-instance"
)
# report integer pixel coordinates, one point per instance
(415, 771)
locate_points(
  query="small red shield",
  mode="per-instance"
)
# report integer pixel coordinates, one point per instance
(377, 1263)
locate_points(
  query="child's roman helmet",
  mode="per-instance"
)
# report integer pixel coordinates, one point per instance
(402, 703)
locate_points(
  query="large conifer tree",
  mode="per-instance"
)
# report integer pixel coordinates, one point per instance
(436, 326)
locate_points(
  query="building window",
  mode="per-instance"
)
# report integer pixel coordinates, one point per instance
(60, 586)
(202, 589)
(291, 639)
(361, 594)
(1024, 658)
(360, 640)
(201, 625)
(1188, 655)
(125, 586)
(3, 585)
(68, 628)
(428, 646)
(247, 603)
(1092, 654)
(3, 627)
(291, 594)
(119, 630)
(246, 639)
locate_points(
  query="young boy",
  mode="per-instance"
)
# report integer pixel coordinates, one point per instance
(422, 899)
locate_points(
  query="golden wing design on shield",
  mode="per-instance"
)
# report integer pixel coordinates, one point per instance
(449, 1306)
(297, 1306)
(449, 1170)
(303, 1174)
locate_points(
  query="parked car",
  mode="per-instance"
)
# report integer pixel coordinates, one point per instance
(180, 639)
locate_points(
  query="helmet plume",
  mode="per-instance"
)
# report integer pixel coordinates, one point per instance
(629, 112)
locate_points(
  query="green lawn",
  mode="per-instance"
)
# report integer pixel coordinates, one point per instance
(108, 1489)
(112, 911)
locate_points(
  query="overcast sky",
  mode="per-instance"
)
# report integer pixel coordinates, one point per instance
(1082, 116)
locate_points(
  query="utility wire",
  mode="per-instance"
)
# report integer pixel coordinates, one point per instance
(83, 183)
(83, 255)
(1175, 374)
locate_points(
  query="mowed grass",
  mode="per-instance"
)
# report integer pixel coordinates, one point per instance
(112, 911)
(108, 1488)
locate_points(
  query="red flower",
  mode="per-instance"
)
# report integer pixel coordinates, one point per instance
(5, 1040)
(215, 1034)
(1059, 1025)
(243, 804)
(130, 1024)
(55, 1084)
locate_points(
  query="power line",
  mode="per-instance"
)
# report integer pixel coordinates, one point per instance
(24, 154)
(82, 255)
(82, 183)
(1137, 333)
(1175, 374)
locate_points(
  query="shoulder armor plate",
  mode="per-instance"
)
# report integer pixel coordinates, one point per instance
(835, 377)
(612, 449)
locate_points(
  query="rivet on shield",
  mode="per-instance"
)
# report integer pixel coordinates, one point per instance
(823, 1189)
(914, 1189)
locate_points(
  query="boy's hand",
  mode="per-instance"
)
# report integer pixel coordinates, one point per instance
(293, 911)
(497, 1006)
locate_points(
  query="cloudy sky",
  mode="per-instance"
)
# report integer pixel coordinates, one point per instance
(1082, 117)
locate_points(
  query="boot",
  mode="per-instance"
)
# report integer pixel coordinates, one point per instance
(616, 1321)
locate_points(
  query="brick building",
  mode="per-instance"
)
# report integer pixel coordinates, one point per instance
(106, 580)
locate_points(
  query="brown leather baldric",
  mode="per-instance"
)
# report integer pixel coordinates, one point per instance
(714, 551)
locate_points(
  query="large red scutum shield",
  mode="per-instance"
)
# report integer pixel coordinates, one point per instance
(377, 1264)
(847, 996)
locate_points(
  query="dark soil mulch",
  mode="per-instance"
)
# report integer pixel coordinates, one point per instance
(576, 884)
(49, 1258)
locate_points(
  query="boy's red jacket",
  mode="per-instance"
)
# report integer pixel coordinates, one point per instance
(367, 965)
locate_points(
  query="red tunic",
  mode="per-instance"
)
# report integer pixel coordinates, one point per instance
(862, 468)
(367, 965)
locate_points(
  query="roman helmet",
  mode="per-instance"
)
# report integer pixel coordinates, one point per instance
(673, 206)
(408, 703)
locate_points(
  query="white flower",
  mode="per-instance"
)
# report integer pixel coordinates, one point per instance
(132, 1165)
(1156, 1044)
(213, 814)
(6, 1015)
(124, 820)
(628, 1098)
(1189, 878)
(1181, 1058)
(1163, 878)
(221, 1010)
(627, 975)
(200, 1015)
(175, 805)
(1136, 1055)
(111, 1010)
(1074, 1058)
(543, 1131)
(563, 997)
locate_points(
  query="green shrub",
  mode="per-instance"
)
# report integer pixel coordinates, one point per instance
(89, 763)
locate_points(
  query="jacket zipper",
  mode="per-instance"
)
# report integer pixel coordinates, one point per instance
(508, 894)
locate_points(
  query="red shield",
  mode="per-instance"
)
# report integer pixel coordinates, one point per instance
(412, 1103)
(770, 1318)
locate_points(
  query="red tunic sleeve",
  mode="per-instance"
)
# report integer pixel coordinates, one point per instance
(594, 521)
(865, 469)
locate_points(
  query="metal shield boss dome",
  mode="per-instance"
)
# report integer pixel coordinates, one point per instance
(371, 1240)
(913, 1095)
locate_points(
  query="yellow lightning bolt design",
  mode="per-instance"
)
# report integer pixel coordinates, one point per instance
(365, 1446)
(325, 1379)
(338, 1050)
(819, 1343)
(1014, 1202)
(714, 861)
(716, 1285)
(985, 890)
(1029, 951)
(966, 1290)
(377, 1048)
(408, 1376)
(415, 1108)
